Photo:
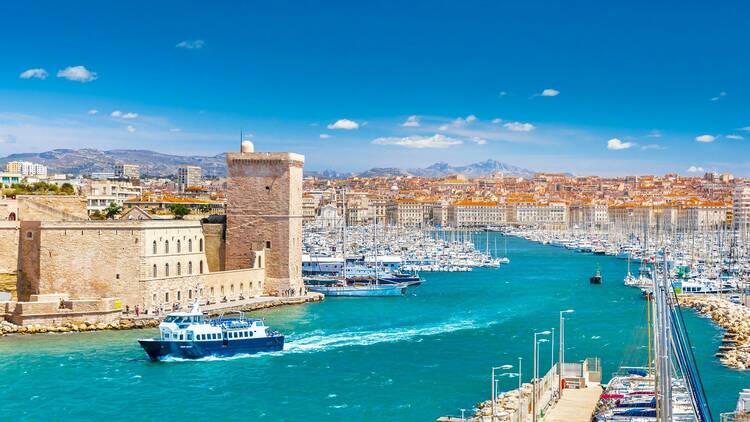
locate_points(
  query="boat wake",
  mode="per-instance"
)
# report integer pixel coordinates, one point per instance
(319, 341)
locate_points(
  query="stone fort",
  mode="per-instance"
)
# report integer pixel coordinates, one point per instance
(155, 264)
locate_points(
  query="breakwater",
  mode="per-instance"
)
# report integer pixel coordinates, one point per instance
(7, 328)
(734, 350)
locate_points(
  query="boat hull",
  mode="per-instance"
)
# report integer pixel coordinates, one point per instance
(156, 348)
(364, 291)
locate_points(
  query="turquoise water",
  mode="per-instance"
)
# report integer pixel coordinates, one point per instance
(389, 359)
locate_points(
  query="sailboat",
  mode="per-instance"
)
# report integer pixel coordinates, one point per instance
(505, 259)
(357, 289)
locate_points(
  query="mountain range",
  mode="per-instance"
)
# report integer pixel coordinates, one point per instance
(86, 161)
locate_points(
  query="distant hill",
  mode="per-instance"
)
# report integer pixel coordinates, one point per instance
(86, 161)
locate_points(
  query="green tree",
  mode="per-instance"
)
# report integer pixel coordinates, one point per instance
(179, 211)
(96, 215)
(112, 211)
(67, 189)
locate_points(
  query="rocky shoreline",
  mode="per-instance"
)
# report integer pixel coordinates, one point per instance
(734, 351)
(7, 328)
(126, 323)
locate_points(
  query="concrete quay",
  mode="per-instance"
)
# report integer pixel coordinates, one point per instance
(262, 302)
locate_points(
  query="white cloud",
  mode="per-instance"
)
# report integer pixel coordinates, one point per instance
(191, 44)
(344, 124)
(654, 134)
(443, 128)
(463, 121)
(92, 111)
(497, 120)
(325, 136)
(617, 145)
(695, 169)
(175, 129)
(131, 129)
(519, 126)
(746, 128)
(479, 141)
(705, 138)
(77, 73)
(721, 95)
(653, 146)
(434, 141)
(735, 137)
(549, 92)
(38, 73)
(411, 121)
(123, 115)
(502, 93)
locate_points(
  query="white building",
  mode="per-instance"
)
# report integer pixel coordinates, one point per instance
(741, 208)
(27, 169)
(100, 193)
(188, 176)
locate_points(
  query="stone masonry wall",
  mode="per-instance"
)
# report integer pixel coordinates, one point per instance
(51, 208)
(264, 210)
(215, 246)
(82, 260)
(213, 287)
(9, 247)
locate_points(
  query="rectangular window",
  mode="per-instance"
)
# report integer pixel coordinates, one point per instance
(268, 244)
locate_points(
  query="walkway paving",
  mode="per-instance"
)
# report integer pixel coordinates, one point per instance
(576, 405)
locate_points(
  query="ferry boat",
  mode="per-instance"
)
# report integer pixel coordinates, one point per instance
(191, 335)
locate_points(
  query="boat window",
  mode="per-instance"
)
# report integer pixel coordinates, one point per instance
(169, 319)
(182, 337)
(190, 336)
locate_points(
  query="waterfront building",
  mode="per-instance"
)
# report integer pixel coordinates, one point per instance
(475, 214)
(264, 212)
(357, 208)
(188, 176)
(546, 215)
(741, 208)
(589, 216)
(102, 175)
(309, 208)
(127, 171)
(329, 217)
(407, 212)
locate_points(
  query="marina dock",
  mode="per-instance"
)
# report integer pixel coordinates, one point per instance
(576, 405)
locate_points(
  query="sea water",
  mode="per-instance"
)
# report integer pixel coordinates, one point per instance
(411, 358)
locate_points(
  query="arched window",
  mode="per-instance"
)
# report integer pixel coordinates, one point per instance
(154, 270)
(166, 246)
(231, 288)
(260, 262)
(12, 216)
(179, 269)
(154, 247)
(200, 267)
(166, 270)
(190, 267)
(200, 245)
(190, 245)
(179, 246)
(222, 290)
(154, 299)
(242, 287)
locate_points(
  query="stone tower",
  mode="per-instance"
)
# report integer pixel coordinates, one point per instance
(264, 210)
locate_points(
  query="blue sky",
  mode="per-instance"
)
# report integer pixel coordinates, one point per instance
(589, 87)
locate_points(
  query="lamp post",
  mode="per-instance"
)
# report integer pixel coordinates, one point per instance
(534, 373)
(494, 395)
(520, 376)
(561, 354)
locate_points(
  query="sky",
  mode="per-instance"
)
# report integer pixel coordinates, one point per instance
(588, 87)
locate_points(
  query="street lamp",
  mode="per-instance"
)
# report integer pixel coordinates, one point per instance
(561, 354)
(534, 373)
(494, 396)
